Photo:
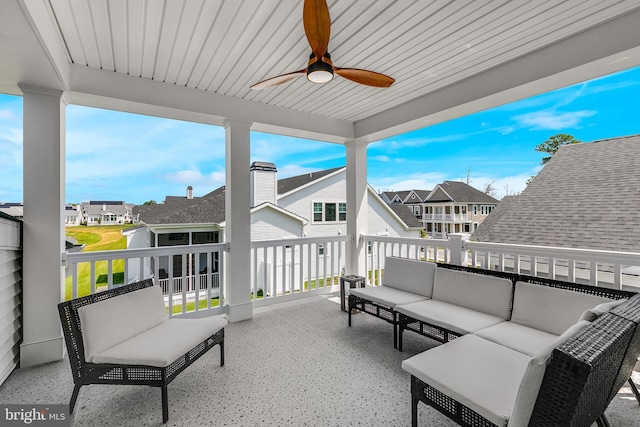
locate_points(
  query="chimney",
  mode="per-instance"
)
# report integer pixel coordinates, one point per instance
(104, 206)
(264, 183)
(189, 192)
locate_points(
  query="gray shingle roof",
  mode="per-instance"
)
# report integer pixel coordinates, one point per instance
(587, 196)
(288, 184)
(407, 216)
(459, 191)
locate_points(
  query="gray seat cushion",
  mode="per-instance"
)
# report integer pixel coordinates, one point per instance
(163, 344)
(548, 309)
(115, 320)
(409, 275)
(488, 294)
(481, 375)
(455, 318)
(517, 337)
(386, 295)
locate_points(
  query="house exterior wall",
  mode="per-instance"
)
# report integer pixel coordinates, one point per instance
(268, 224)
(380, 220)
(10, 289)
(332, 189)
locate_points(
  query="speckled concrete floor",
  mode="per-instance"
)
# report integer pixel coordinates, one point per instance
(293, 364)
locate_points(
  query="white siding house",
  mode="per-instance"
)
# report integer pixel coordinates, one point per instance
(309, 205)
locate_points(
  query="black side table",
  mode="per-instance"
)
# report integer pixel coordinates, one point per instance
(354, 282)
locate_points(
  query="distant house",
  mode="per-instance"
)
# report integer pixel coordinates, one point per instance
(97, 212)
(72, 215)
(451, 207)
(15, 210)
(308, 205)
(587, 196)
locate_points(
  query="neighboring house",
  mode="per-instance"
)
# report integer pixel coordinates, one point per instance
(308, 205)
(106, 213)
(451, 207)
(72, 215)
(15, 210)
(587, 196)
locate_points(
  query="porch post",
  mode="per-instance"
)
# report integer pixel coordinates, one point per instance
(238, 220)
(44, 180)
(357, 206)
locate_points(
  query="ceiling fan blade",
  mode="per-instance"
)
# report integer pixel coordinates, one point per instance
(317, 25)
(365, 77)
(278, 80)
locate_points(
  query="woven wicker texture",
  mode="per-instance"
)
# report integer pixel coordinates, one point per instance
(105, 373)
(578, 382)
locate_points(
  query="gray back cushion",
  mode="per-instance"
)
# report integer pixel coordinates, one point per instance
(487, 294)
(548, 309)
(409, 275)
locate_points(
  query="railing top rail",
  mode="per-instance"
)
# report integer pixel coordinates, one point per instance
(413, 240)
(594, 255)
(301, 241)
(144, 252)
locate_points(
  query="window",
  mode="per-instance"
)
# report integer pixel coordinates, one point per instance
(475, 209)
(317, 212)
(342, 211)
(329, 211)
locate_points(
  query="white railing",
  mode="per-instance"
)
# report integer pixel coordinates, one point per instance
(595, 267)
(294, 268)
(379, 247)
(89, 272)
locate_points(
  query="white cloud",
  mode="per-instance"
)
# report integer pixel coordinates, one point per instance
(551, 120)
(514, 184)
(7, 114)
(417, 181)
(12, 135)
(195, 177)
(380, 158)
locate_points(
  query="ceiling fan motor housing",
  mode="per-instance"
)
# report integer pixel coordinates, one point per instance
(320, 71)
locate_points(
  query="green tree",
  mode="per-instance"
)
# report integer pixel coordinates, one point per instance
(551, 145)
(149, 202)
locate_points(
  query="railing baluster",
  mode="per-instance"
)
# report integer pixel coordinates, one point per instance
(593, 270)
(617, 276)
(74, 279)
(109, 274)
(93, 277)
(571, 270)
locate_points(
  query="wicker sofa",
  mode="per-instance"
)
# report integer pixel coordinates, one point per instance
(123, 336)
(523, 344)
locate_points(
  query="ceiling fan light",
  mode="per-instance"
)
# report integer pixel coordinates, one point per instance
(319, 72)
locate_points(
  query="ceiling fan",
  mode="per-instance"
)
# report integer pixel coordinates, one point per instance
(320, 69)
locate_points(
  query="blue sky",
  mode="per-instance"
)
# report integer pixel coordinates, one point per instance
(121, 156)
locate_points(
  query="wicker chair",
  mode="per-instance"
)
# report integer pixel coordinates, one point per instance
(85, 373)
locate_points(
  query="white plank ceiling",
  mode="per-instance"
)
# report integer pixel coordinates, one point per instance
(225, 46)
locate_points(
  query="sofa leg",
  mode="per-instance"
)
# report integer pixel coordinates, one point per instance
(165, 405)
(634, 389)
(349, 309)
(395, 331)
(602, 421)
(74, 397)
(222, 353)
(414, 411)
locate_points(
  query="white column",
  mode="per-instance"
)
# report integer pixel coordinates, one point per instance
(43, 240)
(238, 220)
(357, 206)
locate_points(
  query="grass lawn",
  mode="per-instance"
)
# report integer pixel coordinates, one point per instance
(97, 238)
